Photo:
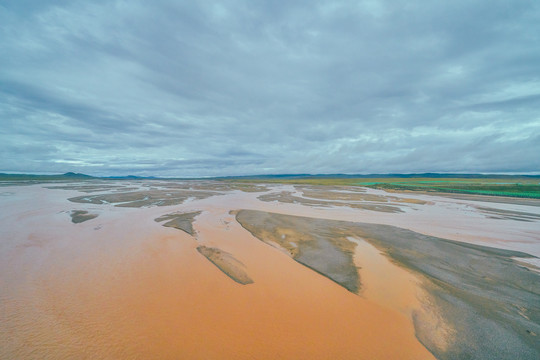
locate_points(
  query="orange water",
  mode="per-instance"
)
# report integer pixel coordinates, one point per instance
(122, 287)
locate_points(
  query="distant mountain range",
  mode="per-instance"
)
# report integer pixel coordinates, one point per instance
(78, 176)
(66, 176)
(69, 176)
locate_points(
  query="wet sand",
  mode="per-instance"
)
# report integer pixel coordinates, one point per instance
(123, 286)
(79, 216)
(469, 284)
(312, 243)
(226, 263)
(182, 221)
(288, 197)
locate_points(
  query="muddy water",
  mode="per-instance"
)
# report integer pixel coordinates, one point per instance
(121, 286)
(384, 282)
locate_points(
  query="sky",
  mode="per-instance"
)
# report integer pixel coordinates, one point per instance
(214, 88)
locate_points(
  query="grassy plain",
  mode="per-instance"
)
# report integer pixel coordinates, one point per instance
(519, 186)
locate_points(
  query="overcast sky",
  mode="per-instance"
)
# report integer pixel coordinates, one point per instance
(204, 88)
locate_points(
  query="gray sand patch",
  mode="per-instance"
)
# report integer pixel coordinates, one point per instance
(182, 221)
(508, 214)
(489, 301)
(310, 243)
(227, 263)
(143, 198)
(288, 197)
(79, 216)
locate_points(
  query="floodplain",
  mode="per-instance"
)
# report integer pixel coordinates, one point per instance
(293, 269)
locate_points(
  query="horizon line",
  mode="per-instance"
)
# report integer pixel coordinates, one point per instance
(388, 174)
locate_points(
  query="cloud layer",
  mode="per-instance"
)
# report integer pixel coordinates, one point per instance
(184, 88)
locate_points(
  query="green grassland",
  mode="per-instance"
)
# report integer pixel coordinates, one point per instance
(524, 187)
(483, 187)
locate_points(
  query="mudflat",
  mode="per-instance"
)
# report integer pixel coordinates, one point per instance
(226, 263)
(79, 216)
(489, 301)
(182, 221)
(312, 243)
(374, 205)
(264, 271)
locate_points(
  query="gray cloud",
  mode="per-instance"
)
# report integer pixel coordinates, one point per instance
(181, 88)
